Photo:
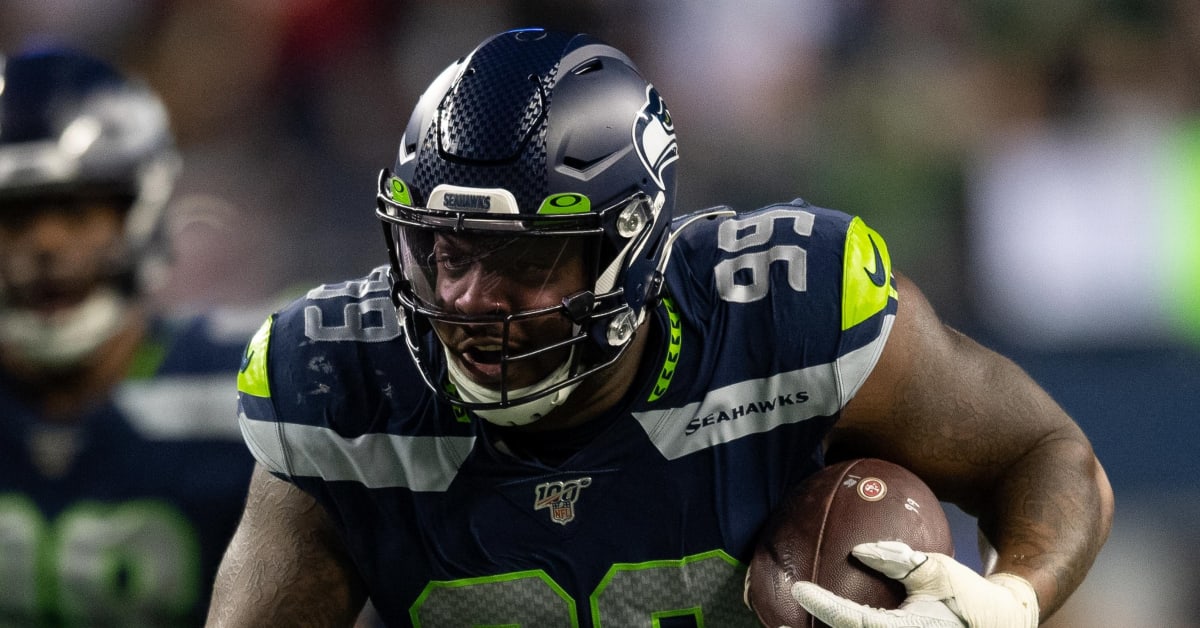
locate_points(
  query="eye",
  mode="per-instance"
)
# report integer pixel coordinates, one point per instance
(539, 262)
(448, 259)
(444, 254)
(452, 262)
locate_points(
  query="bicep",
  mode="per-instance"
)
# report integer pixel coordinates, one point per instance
(285, 563)
(946, 407)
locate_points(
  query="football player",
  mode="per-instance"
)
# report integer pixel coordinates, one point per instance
(122, 474)
(559, 406)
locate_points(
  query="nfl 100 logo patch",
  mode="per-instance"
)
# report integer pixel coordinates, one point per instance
(559, 498)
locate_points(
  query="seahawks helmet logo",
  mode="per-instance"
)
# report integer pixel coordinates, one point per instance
(654, 136)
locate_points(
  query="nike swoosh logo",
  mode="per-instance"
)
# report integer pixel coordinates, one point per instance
(877, 277)
(246, 361)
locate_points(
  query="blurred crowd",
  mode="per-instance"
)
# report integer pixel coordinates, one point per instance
(287, 110)
(1035, 170)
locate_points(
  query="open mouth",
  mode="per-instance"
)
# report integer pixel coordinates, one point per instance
(48, 298)
(482, 363)
(484, 354)
(495, 357)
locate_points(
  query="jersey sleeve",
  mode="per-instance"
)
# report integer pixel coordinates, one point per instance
(868, 305)
(789, 291)
(319, 380)
(256, 412)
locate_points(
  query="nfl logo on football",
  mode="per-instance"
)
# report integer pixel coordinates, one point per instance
(560, 498)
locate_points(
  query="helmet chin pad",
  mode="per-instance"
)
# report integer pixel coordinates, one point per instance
(68, 337)
(522, 413)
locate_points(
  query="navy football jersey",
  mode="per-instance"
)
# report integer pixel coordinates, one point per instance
(771, 321)
(122, 518)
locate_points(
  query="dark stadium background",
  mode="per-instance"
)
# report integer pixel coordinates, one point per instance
(1036, 171)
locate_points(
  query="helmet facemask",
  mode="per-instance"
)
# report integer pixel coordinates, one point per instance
(520, 308)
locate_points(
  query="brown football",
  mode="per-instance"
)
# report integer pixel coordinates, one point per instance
(810, 535)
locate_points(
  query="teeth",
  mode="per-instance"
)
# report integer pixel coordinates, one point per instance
(488, 347)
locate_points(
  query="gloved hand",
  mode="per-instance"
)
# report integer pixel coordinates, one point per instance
(942, 593)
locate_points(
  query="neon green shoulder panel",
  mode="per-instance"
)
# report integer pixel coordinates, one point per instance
(866, 275)
(252, 378)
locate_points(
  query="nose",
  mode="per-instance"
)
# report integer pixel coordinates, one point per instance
(35, 242)
(46, 233)
(474, 291)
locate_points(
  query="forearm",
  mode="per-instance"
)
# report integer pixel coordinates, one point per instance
(1048, 509)
(1051, 507)
(985, 436)
(258, 587)
(284, 565)
(1050, 517)
(989, 439)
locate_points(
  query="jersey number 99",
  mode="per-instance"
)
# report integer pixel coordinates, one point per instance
(744, 279)
(97, 563)
(700, 590)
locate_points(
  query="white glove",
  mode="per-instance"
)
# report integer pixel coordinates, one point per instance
(942, 593)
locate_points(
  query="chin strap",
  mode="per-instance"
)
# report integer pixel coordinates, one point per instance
(521, 413)
(67, 337)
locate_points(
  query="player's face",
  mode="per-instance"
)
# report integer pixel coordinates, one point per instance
(54, 253)
(496, 276)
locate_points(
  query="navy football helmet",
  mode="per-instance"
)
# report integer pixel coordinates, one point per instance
(536, 147)
(72, 128)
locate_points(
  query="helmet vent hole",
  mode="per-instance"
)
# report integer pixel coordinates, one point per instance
(588, 67)
(581, 164)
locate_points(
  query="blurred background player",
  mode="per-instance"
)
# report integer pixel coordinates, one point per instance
(121, 474)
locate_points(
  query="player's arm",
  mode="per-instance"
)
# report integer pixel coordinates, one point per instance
(986, 437)
(285, 565)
